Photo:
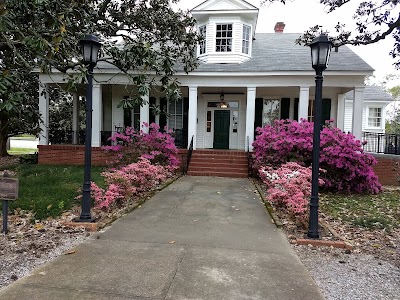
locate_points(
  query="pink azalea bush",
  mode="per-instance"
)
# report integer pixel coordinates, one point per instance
(156, 146)
(127, 182)
(348, 167)
(289, 187)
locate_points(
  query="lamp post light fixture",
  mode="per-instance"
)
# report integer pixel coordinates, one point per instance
(320, 51)
(90, 49)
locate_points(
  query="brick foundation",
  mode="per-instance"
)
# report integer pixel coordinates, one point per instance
(387, 169)
(75, 155)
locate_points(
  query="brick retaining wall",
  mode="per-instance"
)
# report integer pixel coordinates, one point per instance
(70, 155)
(387, 169)
(75, 155)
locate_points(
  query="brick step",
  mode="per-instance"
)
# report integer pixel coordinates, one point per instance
(217, 162)
(227, 154)
(222, 165)
(219, 169)
(218, 174)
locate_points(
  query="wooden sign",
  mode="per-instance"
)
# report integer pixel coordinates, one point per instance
(8, 188)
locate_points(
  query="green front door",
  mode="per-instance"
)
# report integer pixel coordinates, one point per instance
(221, 129)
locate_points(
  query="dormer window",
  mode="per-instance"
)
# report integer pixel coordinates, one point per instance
(246, 39)
(223, 38)
(203, 43)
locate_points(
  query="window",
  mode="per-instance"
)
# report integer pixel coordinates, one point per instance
(374, 117)
(224, 38)
(271, 111)
(175, 111)
(131, 118)
(246, 39)
(202, 44)
(209, 121)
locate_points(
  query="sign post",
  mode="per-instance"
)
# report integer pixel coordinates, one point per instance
(8, 191)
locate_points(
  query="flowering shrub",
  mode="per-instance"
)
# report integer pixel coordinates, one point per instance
(128, 181)
(289, 187)
(156, 146)
(348, 167)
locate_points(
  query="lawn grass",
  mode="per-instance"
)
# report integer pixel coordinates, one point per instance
(50, 190)
(22, 151)
(380, 211)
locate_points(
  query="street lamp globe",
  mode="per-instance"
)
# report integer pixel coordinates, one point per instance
(320, 51)
(90, 46)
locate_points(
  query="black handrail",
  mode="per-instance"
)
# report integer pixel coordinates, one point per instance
(249, 159)
(188, 157)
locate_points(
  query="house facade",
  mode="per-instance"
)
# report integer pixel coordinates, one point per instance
(245, 80)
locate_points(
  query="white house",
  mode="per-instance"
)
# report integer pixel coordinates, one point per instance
(245, 80)
(374, 110)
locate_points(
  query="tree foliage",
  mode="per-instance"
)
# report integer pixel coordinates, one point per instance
(144, 39)
(373, 20)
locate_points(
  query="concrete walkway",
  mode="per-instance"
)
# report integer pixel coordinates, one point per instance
(202, 238)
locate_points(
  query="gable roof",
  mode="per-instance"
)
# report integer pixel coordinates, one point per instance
(224, 5)
(372, 93)
(278, 52)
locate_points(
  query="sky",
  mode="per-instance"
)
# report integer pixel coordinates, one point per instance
(299, 15)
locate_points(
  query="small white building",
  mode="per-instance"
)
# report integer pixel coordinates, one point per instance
(245, 80)
(373, 112)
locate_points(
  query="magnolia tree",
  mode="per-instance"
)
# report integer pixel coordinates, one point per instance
(346, 166)
(142, 35)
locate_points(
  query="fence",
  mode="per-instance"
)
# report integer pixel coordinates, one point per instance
(381, 143)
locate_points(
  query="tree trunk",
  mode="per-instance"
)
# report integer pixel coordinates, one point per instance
(3, 143)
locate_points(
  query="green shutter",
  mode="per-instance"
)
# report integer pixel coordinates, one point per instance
(285, 106)
(296, 109)
(258, 113)
(326, 110)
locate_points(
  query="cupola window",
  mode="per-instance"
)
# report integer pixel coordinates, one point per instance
(224, 38)
(246, 39)
(202, 44)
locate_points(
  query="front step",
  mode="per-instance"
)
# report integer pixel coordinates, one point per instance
(220, 163)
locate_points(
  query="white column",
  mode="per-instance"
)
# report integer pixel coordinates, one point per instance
(340, 112)
(192, 119)
(304, 98)
(250, 115)
(75, 118)
(44, 112)
(291, 109)
(97, 115)
(158, 114)
(356, 129)
(145, 113)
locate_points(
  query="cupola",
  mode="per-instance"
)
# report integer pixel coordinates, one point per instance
(228, 28)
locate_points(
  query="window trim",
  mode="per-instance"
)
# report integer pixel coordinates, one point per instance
(380, 118)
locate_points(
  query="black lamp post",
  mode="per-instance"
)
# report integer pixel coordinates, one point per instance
(320, 52)
(90, 49)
